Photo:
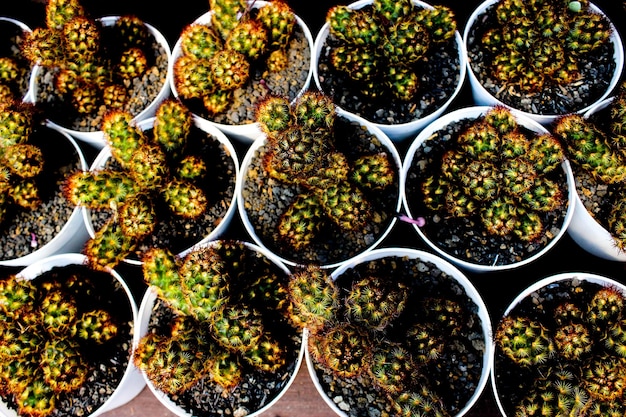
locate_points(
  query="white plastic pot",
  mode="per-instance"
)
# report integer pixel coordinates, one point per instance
(132, 381)
(248, 132)
(483, 97)
(544, 283)
(245, 166)
(473, 113)
(584, 229)
(145, 311)
(72, 235)
(96, 138)
(105, 154)
(401, 131)
(448, 269)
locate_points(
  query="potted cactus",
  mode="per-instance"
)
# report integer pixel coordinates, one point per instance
(401, 327)
(240, 51)
(35, 219)
(66, 338)
(85, 66)
(488, 188)
(321, 186)
(223, 305)
(168, 181)
(545, 58)
(397, 64)
(594, 143)
(14, 68)
(559, 348)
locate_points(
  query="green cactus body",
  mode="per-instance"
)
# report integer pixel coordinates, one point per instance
(314, 297)
(237, 328)
(343, 348)
(248, 38)
(374, 303)
(172, 125)
(59, 12)
(136, 216)
(230, 69)
(200, 41)
(300, 223)
(226, 15)
(133, 63)
(160, 271)
(122, 135)
(524, 341)
(279, 21)
(419, 402)
(99, 189)
(81, 39)
(391, 367)
(131, 32)
(108, 246)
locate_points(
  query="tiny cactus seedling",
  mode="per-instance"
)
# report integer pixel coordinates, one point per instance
(153, 170)
(217, 58)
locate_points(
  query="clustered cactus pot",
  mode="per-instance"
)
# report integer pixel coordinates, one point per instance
(545, 58)
(168, 181)
(86, 66)
(321, 186)
(560, 348)
(230, 58)
(487, 188)
(595, 143)
(35, 219)
(397, 64)
(66, 336)
(394, 332)
(223, 305)
(15, 69)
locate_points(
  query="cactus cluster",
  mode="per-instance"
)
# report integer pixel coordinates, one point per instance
(379, 326)
(230, 316)
(499, 173)
(217, 58)
(380, 47)
(598, 148)
(87, 74)
(572, 354)
(21, 162)
(154, 171)
(537, 44)
(301, 152)
(45, 334)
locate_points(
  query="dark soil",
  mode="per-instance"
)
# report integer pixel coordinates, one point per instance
(142, 91)
(439, 74)
(11, 37)
(108, 362)
(596, 70)
(514, 382)
(465, 238)
(454, 376)
(287, 82)
(177, 233)
(258, 388)
(25, 231)
(265, 200)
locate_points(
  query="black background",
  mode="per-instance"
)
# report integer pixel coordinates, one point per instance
(497, 289)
